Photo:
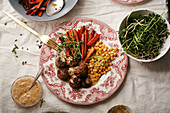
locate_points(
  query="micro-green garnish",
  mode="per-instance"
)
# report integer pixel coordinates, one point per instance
(41, 102)
(72, 44)
(144, 36)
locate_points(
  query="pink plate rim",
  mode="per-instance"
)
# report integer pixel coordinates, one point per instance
(128, 1)
(119, 82)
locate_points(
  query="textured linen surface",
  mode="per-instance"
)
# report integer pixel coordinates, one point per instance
(146, 88)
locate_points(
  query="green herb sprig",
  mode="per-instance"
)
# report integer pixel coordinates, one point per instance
(41, 102)
(64, 44)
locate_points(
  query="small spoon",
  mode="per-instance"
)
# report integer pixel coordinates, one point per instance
(37, 76)
(54, 6)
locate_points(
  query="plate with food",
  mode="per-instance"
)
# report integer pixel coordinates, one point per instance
(128, 1)
(42, 10)
(88, 66)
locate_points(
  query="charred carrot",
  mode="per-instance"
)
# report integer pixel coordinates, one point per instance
(46, 2)
(81, 32)
(76, 35)
(34, 11)
(70, 32)
(32, 2)
(72, 52)
(93, 40)
(82, 46)
(91, 35)
(40, 13)
(38, 6)
(42, 8)
(92, 50)
(85, 42)
(31, 9)
(67, 51)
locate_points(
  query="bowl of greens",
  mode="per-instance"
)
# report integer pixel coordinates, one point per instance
(143, 35)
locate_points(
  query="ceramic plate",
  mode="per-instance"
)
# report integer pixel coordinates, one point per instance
(69, 4)
(128, 1)
(107, 84)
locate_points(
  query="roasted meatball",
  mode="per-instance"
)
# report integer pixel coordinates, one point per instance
(62, 74)
(60, 62)
(82, 70)
(86, 83)
(75, 82)
(72, 62)
(71, 71)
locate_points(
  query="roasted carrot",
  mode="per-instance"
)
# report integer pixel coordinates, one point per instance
(40, 13)
(32, 2)
(93, 40)
(81, 32)
(70, 32)
(72, 52)
(91, 35)
(85, 42)
(92, 50)
(76, 35)
(38, 6)
(46, 2)
(34, 11)
(31, 9)
(82, 45)
(42, 8)
(67, 51)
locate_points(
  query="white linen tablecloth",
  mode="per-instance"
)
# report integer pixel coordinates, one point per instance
(146, 88)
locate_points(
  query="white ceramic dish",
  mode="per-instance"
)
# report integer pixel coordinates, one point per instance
(136, 13)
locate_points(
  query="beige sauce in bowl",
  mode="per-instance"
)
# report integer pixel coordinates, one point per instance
(21, 93)
(120, 109)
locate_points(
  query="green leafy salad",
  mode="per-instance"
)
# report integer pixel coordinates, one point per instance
(144, 36)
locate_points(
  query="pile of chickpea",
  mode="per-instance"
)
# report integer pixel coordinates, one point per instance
(100, 62)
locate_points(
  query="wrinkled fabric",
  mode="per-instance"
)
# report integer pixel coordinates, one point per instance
(146, 88)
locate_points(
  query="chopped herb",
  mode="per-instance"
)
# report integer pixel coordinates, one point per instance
(14, 49)
(27, 49)
(39, 46)
(41, 102)
(16, 56)
(37, 41)
(15, 40)
(25, 22)
(23, 62)
(22, 47)
(20, 34)
(41, 42)
(122, 53)
(5, 23)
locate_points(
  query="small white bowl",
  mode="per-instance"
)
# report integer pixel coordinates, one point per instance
(21, 78)
(165, 46)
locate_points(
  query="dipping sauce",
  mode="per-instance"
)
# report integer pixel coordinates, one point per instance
(21, 93)
(120, 109)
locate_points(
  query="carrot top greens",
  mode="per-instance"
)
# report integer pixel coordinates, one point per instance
(144, 36)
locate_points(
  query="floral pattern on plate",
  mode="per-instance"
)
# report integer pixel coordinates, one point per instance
(107, 84)
(128, 1)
